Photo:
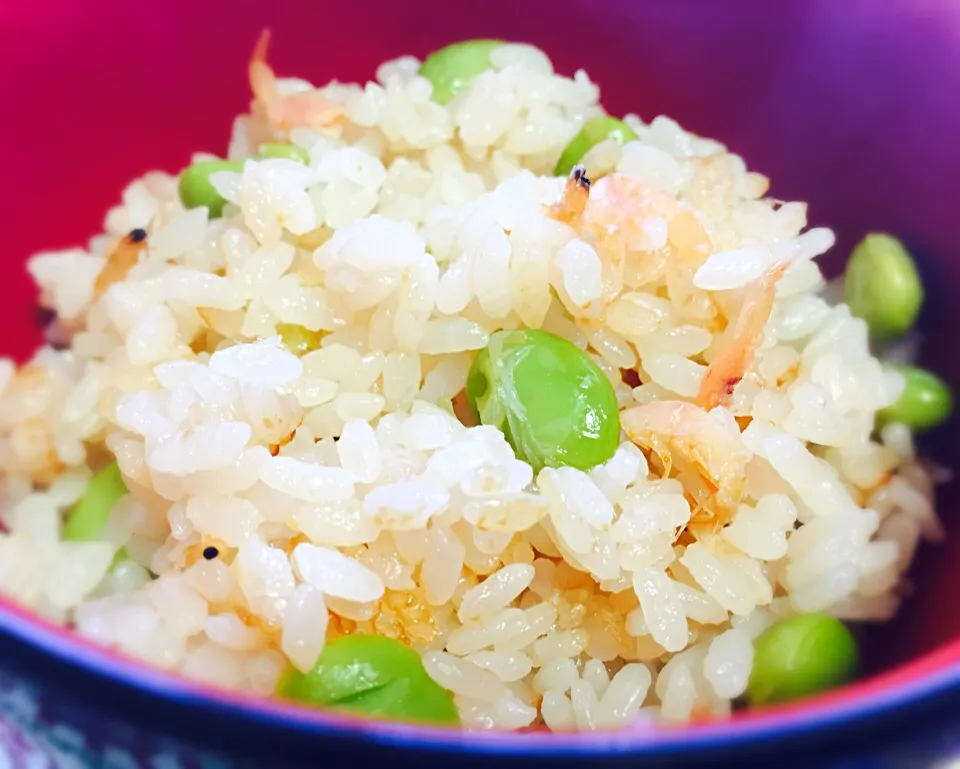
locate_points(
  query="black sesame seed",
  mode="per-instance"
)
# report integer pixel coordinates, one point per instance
(579, 175)
(210, 553)
(138, 235)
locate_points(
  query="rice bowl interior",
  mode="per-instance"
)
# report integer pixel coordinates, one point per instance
(282, 390)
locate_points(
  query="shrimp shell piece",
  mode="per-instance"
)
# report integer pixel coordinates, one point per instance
(731, 363)
(710, 442)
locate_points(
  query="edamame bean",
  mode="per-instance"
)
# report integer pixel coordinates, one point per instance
(299, 339)
(196, 190)
(373, 675)
(926, 400)
(453, 68)
(801, 656)
(593, 132)
(284, 151)
(87, 519)
(552, 402)
(882, 286)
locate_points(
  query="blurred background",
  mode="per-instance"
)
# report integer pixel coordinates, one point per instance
(811, 92)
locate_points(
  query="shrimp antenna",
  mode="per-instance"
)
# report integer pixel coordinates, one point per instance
(263, 42)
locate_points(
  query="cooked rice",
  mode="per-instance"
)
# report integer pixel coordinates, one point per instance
(577, 600)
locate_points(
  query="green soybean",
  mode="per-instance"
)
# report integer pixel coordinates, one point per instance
(373, 675)
(882, 286)
(196, 190)
(87, 519)
(926, 400)
(453, 68)
(594, 131)
(284, 151)
(801, 656)
(552, 402)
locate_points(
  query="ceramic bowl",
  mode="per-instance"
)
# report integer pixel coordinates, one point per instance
(848, 105)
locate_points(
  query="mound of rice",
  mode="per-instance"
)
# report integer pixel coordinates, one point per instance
(343, 494)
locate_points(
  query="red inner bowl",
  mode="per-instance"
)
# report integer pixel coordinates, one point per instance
(850, 106)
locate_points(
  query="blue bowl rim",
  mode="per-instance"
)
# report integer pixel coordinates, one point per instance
(819, 715)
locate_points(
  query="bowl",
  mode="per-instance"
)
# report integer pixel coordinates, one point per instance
(846, 105)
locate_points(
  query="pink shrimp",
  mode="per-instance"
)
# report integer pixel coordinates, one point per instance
(121, 260)
(616, 207)
(731, 363)
(614, 213)
(308, 109)
(705, 449)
